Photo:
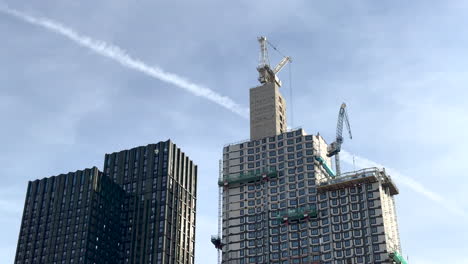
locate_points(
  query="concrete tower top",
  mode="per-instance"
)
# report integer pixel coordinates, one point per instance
(267, 106)
(267, 111)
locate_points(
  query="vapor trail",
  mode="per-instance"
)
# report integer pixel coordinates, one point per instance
(121, 56)
(361, 162)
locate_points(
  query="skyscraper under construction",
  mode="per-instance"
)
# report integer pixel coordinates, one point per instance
(281, 201)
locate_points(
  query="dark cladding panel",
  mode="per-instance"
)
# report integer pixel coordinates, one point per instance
(140, 210)
(158, 198)
(59, 220)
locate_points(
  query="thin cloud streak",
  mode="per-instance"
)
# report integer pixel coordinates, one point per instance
(361, 162)
(122, 57)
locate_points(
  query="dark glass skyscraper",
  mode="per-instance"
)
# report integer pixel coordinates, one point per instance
(70, 218)
(140, 210)
(158, 217)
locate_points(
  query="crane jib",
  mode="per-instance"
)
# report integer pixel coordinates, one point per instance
(335, 147)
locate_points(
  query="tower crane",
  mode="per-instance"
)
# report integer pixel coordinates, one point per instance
(335, 147)
(266, 73)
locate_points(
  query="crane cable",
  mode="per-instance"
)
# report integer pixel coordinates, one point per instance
(290, 83)
(277, 50)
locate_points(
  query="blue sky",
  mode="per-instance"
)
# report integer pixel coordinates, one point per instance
(401, 68)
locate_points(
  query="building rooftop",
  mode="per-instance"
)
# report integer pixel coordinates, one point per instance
(252, 140)
(354, 178)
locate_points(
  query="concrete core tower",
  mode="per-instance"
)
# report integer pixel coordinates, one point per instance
(267, 105)
(267, 111)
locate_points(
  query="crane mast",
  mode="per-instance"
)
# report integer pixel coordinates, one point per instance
(263, 52)
(335, 147)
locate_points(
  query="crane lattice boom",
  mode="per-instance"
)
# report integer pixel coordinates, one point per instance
(281, 64)
(335, 147)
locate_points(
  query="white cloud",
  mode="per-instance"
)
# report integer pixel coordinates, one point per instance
(122, 57)
(361, 162)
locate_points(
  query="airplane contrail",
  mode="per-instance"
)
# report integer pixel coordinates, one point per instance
(416, 186)
(122, 57)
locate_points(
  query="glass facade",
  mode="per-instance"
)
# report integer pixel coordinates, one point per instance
(70, 218)
(140, 210)
(158, 220)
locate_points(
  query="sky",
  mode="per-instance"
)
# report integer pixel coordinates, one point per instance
(83, 78)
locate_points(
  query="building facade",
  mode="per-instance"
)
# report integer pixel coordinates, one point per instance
(158, 217)
(281, 201)
(70, 218)
(140, 210)
(362, 217)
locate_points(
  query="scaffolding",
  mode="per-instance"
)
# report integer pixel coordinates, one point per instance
(354, 178)
(298, 214)
(397, 258)
(325, 166)
(248, 177)
(217, 239)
